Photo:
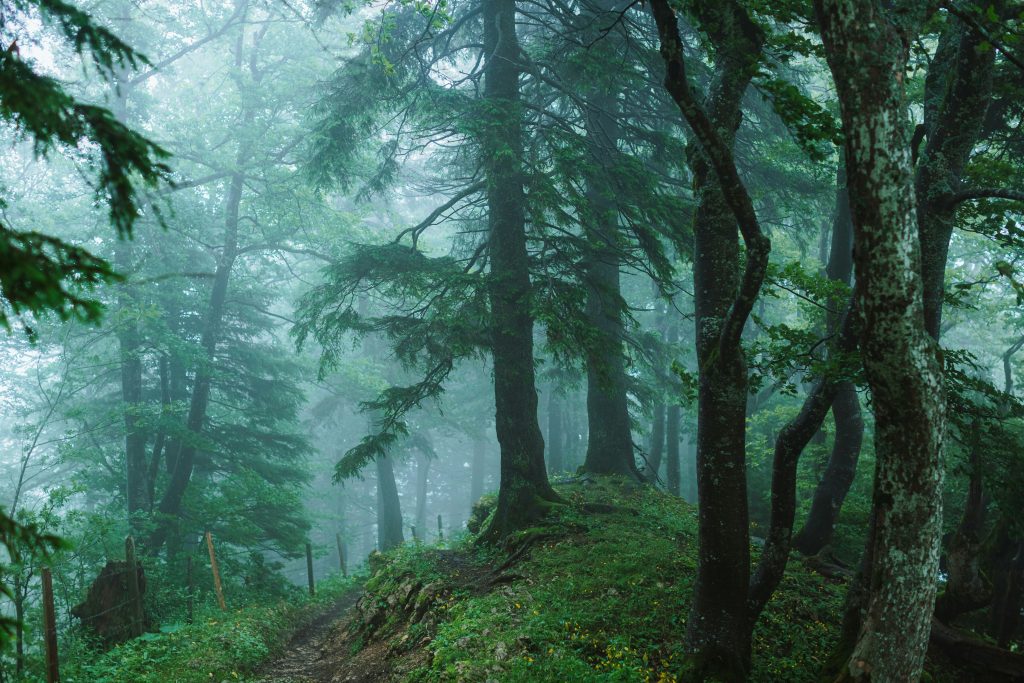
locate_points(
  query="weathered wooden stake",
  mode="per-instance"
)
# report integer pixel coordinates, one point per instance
(189, 591)
(341, 555)
(440, 529)
(414, 536)
(216, 573)
(309, 568)
(136, 618)
(50, 629)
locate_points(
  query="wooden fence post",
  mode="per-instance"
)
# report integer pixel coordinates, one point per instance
(440, 529)
(216, 573)
(136, 617)
(188, 586)
(341, 555)
(50, 629)
(309, 568)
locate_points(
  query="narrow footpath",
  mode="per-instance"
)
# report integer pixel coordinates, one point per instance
(305, 659)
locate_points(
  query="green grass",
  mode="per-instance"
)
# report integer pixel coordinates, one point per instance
(217, 646)
(605, 598)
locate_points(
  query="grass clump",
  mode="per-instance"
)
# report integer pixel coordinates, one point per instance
(603, 595)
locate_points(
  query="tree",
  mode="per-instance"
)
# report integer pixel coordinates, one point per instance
(717, 628)
(41, 274)
(525, 492)
(866, 48)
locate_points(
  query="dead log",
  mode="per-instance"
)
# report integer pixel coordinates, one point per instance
(987, 663)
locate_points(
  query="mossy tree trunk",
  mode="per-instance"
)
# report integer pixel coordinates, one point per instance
(524, 491)
(865, 45)
(717, 633)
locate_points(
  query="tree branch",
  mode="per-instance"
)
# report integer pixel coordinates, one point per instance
(719, 154)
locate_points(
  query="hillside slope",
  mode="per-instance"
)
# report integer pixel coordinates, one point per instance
(599, 592)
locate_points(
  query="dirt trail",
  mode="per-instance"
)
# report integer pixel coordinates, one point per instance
(303, 660)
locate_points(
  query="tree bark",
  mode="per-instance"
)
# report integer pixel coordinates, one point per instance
(656, 451)
(717, 634)
(422, 475)
(524, 492)
(841, 468)
(610, 442)
(673, 475)
(957, 92)
(477, 472)
(160, 441)
(865, 46)
(556, 441)
(967, 588)
(389, 508)
(789, 444)
(839, 473)
(673, 416)
(130, 344)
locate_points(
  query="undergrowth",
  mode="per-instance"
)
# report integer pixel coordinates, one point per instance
(604, 596)
(216, 646)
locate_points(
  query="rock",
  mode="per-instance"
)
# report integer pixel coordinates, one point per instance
(500, 652)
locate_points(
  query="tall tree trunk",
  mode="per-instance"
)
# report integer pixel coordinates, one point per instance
(170, 503)
(957, 92)
(717, 632)
(967, 588)
(477, 470)
(524, 492)
(130, 344)
(184, 462)
(841, 468)
(610, 441)
(422, 475)
(556, 442)
(1009, 586)
(389, 508)
(673, 416)
(866, 50)
(656, 451)
(160, 441)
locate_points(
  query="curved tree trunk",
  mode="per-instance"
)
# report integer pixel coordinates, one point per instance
(839, 473)
(841, 468)
(789, 444)
(866, 50)
(524, 492)
(717, 634)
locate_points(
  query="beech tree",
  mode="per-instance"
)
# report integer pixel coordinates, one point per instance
(866, 47)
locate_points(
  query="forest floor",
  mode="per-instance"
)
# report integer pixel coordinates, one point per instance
(599, 591)
(306, 657)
